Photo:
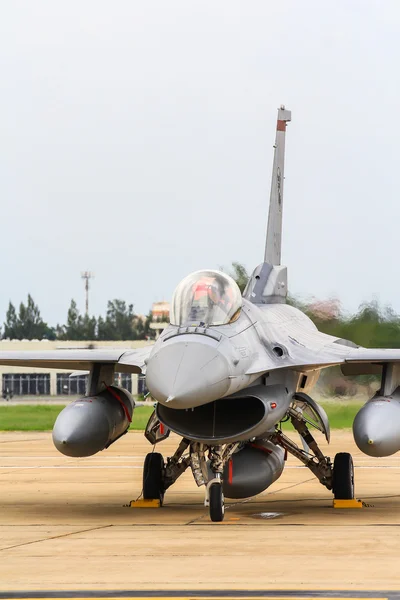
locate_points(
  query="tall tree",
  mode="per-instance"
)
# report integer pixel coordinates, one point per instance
(10, 325)
(148, 333)
(240, 275)
(77, 327)
(89, 327)
(72, 330)
(28, 324)
(118, 324)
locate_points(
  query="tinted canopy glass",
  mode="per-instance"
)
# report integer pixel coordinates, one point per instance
(206, 298)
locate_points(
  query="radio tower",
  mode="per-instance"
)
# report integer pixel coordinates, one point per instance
(87, 276)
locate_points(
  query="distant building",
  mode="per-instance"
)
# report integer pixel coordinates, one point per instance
(160, 310)
(160, 314)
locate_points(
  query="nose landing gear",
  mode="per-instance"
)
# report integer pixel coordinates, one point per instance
(215, 499)
(214, 492)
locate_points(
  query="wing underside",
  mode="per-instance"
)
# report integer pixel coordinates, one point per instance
(125, 361)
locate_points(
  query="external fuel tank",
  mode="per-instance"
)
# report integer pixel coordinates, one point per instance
(253, 469)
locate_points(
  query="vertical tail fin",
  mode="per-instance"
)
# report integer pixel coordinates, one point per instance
(274, 230)
(268, 282)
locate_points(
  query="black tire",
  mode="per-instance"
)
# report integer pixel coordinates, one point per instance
(216, 497)
(153, 470)
(343, 477)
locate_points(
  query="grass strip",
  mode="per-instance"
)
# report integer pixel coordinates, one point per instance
(41, 417)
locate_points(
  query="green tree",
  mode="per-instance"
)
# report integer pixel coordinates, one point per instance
(119, 322)
(72, 330)
(10, 325)
(77, 327)
(149, 334)
(239, 273)
(28, 324)
(89, 327)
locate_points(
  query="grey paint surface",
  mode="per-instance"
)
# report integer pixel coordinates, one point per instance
(91, 424)
(129, 361)
(376, 427)
(253, 469)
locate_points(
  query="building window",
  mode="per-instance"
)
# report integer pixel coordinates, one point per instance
(142, 389)
(71, 386)
(76, 386)
(26, 384)
(124, 380)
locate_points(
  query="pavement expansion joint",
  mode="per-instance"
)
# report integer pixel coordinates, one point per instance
(54, 537)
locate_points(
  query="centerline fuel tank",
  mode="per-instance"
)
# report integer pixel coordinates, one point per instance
(253, 469)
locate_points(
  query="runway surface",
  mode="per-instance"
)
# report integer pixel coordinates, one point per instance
(64, 527)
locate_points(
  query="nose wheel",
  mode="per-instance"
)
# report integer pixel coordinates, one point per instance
(343, 477)
(215, 500)
(217, 504)
(153, 477)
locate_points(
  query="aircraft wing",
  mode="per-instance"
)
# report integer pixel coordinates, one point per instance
(373, 355)
(353, 361)
(125, 360)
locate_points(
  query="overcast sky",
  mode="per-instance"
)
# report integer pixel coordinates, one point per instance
(136, 142)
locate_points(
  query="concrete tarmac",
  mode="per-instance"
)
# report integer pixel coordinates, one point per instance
(64, 526)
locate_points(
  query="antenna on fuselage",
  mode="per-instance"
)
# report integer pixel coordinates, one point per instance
(273, 244)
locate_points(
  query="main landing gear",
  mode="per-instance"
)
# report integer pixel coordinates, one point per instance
(343, 477)
(159, 475)
(153, 477)
(338, 477)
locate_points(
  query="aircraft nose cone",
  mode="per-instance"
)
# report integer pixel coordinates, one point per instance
(81, 429)
(376, 428)
(185, 374)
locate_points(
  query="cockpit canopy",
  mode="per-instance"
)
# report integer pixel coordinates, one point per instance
(206, 298)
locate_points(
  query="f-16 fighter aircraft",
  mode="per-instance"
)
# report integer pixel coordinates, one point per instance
(226, 372)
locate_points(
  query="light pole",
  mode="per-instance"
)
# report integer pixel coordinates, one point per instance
(87, 276)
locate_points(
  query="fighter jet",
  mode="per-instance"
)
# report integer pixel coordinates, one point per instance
(224, 375)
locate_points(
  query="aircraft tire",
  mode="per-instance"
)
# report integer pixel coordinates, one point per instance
(216, 498)
(343, 477)
(153, 486)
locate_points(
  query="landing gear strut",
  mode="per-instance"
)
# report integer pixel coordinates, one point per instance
(158, 476)
(338, 477)
(214, 492)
